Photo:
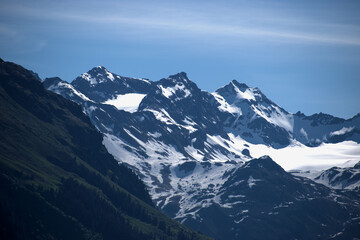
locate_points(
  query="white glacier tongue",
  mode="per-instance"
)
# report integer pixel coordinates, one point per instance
(128, 102)
(300, 157)
(342, 131)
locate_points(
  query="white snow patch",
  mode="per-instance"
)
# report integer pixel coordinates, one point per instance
(110, 76)
(342, 131)
(277, 117)
(89, 78)
(252, 182)
(155, 134)
(303, 132)
(128, 102)
(169, 91)
(248, 94)
(115, 147)
(69, 86)
(241, 220)
(163, 116)
(190, 128)
(225, 106)
(144, 80)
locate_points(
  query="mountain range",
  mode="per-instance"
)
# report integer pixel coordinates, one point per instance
(201, 155)
(57, 180)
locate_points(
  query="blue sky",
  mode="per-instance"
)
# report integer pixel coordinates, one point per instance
(304, 55)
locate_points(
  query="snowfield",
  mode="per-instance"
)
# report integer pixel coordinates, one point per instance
(300, 157)
(128, 102)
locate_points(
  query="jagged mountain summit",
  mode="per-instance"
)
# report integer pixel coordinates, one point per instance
(100, 85)
(192, 149)
(251, 115)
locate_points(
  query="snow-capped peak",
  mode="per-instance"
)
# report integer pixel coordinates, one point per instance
(101, 85)
(240, 86)
(176, 86)
(181, 76)
(238, 92)
(98, 75)
(178, 89)
(251, 111)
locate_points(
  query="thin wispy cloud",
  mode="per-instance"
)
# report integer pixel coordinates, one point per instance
(306, 48)
(8, 32)
(190, 23)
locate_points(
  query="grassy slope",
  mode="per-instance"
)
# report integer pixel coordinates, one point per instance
(57, 180)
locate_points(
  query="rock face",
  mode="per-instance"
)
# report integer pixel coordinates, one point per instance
(341, 178)
(260, 200)
(194, 150)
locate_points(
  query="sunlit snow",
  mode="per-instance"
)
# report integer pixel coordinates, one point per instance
(342, 131)
(304, 133)
(189, 185)
(60, 85)
(301, 157)
(225, 106)
(169, 91)
(110, 76)
(277, 117)
(248, 94)
(128, 102)
(252, 182)
(89, 78)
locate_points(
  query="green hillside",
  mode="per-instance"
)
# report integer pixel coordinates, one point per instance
(57, 181)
